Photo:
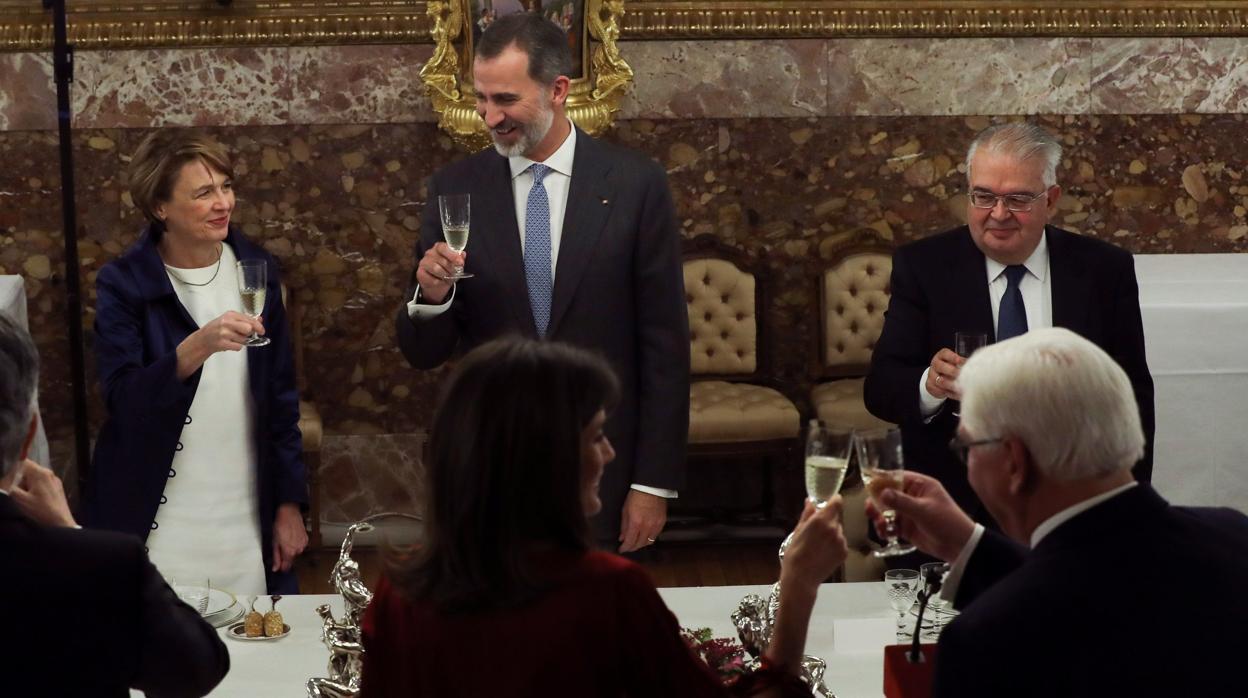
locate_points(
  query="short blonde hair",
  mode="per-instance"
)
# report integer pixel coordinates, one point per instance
(1068, 401)
(159, 158)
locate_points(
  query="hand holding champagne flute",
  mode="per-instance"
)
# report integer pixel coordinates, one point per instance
(456, 212)
(879, 457)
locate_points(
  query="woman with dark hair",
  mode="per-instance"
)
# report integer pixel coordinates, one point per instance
(506, 594)
(201, 455)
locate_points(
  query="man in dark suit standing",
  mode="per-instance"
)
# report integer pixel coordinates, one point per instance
(572, 239)
(1102, 588)
(86, 614)
(1005, 272)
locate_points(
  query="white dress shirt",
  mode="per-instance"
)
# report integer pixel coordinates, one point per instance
(1037, 290)
(557, 183)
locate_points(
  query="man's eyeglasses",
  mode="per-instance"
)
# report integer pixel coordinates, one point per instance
(1015, 203)
(960, 448)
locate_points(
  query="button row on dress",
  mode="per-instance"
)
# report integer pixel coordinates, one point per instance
(188, 419)
(178, 447)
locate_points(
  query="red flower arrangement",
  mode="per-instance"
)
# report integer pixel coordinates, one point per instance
(725, 657)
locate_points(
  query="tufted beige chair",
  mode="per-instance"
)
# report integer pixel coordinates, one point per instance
(853, 295)
(733, 412)
(309, 423)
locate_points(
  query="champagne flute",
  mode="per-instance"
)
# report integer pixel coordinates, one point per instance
(965, 344)
(827, 458)
(456, 213)
(902, 585)
(880, 460)
(253, 280)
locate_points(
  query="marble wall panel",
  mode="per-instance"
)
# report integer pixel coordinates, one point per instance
(966, 76)
(27, 92)
(370, 475)
(185, 87)
(725, 79)
(359, 84)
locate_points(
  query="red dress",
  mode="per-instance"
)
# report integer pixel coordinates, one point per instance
(602, 631)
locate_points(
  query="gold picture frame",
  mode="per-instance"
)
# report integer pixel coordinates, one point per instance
(113, 24)
(601, 73)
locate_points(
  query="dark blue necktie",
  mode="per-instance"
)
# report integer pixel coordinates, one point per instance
(1012, 316)
(537, 249)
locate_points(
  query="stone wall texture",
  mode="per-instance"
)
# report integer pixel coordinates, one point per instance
(780, 148)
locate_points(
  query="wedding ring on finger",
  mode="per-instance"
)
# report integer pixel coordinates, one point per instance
(938, 376)
(650, 539)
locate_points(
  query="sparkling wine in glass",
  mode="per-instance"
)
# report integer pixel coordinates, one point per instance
(902, 586)
(879, 458)
(965, 344)
(456, 210)
(827, 457)
(253, 279)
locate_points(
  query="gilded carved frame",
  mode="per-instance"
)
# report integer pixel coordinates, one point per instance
(103, 24)
(594, 96)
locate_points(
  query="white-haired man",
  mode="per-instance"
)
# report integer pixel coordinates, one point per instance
(86, 613)
(1102, 588)
(1005, 272)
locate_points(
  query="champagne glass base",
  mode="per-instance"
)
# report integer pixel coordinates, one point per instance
(256, 341)
(894, 549)
(459, 275)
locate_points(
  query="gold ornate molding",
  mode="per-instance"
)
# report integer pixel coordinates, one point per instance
(593, 99)
(104, 24)
(753, 19)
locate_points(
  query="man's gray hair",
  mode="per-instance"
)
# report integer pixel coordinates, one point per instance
(1023, 140)
(19, 374)
(1069, 402)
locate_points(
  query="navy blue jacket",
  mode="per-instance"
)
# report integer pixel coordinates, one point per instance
(139, 323)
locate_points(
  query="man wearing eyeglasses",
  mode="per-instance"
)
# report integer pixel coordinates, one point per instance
(1007, 271)
(1095, 585)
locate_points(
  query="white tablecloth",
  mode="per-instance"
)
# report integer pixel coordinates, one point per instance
(13, 304)
(1195, 310)
(850, 626)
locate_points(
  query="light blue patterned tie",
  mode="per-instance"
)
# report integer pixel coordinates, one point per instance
(537, 249)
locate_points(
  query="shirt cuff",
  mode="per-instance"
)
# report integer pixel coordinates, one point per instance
(949, 591)
(656, 491)
(426, 311)
(929, 404)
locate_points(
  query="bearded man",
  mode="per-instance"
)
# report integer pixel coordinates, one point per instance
(571, 239)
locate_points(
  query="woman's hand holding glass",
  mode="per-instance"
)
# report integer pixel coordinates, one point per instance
(228, 332)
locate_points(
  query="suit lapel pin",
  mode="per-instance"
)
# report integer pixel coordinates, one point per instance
(605, 202)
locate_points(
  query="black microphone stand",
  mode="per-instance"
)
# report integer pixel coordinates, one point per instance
(63, 69)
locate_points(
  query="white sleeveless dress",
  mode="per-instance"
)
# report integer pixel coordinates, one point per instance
(208, 523)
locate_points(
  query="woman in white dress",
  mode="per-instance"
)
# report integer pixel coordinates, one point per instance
(201, 452)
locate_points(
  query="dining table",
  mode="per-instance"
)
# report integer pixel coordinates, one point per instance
(851, 624)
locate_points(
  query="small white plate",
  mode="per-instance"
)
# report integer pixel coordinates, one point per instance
(238, 631)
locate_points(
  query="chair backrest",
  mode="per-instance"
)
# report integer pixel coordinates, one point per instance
(724, 294)
(853, 295)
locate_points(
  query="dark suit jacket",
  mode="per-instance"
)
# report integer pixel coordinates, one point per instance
(939, 288)
(86, 614)
(139, 323)
(619, 290)
(1132, 597)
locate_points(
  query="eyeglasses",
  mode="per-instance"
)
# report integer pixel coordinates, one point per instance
(1014, 203)
(960, 448)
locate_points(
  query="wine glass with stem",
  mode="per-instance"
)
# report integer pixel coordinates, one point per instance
(456, 212)
(882, 467)
(902, 586)
(253, 281)
(827, 458)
